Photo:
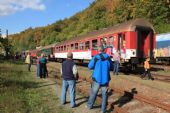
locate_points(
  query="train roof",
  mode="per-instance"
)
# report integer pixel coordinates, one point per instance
(48, 46)
(123, 27)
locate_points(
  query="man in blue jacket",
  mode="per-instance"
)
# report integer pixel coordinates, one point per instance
(101, 65)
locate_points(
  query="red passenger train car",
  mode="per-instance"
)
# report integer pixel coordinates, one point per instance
(34, 53)
(136, 40)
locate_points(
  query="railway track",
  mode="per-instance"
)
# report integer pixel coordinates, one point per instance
(160, 66)
(163, 78)
(133, 95)
(157, 77)
(133, 102)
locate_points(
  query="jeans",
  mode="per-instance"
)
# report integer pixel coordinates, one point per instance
(38, 70)
(116, 67)
(93, 94)
(71, 85)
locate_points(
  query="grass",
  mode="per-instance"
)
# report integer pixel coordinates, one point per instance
(21, 92)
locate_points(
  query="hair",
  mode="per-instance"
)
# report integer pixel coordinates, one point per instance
(147, 58)
(29, 53)
(42, 54)
(100, 49)
(70, 55)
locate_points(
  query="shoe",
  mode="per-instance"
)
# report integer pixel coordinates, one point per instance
(63, 103)
(73, 106)
(87, 107)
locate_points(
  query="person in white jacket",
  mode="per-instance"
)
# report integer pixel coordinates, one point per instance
(28, 60)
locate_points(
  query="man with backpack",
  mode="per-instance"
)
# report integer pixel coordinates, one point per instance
(101, 65)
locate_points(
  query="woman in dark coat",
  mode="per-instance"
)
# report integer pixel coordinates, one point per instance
(43, 67)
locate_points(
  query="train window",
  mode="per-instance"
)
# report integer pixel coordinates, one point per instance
(64, 47)
(111, 41)
(94, 44)
(58, 48)
(103, 42)
(61, 48)
(72, 46)
(87, 45)
(68, 47)
(82, 46)
(76, 46)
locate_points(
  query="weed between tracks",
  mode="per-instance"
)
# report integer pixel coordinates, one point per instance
(20, 92)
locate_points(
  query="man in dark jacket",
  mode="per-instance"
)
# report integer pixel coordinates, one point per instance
(101, 65)
(69, 73)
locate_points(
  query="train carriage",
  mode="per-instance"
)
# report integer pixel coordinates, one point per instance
(162, 51)
(34, 53)
(48, 51)
(136, 40)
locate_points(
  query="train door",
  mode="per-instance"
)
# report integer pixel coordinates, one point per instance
(144, 42)
(122, 45)
(111, 49)
(103, 42)
(94, 47)
(111, 41)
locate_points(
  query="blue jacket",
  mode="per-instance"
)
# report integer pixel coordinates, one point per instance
(43, 60)
(101, 68)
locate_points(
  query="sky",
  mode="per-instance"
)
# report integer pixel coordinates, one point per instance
(163, 37)
(18, 15)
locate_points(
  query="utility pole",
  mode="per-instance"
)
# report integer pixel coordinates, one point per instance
(0, 33)
(6, 33)
(7, 46)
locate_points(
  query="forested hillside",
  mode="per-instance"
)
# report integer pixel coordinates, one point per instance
(100, 14)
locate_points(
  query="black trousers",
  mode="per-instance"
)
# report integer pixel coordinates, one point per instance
(147, 72)
(29, 67)
(43, 70)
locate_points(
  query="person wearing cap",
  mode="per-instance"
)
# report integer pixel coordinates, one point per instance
(100, 64)
(69, 74)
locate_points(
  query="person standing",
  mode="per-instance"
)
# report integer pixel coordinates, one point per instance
(69, 75)
(43, 67)
(116, 58)
(101, 65)
(147, 69)
(38, 66)
(28, 60)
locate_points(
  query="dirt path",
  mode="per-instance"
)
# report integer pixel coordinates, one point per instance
(80, 99)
